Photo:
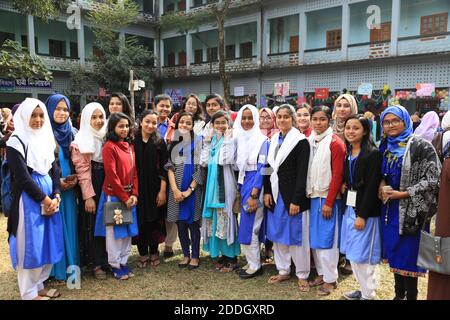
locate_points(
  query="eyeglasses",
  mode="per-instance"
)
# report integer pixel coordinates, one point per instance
(193, 104)
(392, 123)
(265, 118)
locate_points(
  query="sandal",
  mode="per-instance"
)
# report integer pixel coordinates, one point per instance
(229, 267)
(99, 274)
(326, 289)
(119, 274)
(126, 270)
(318, 281)
(278, 278)
(303, 285)
(184, 263)
(49, 293)
(142, 263)
(154, 260)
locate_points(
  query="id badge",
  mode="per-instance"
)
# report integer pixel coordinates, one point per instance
(351, 198)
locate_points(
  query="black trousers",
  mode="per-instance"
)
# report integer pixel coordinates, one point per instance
(405, 286)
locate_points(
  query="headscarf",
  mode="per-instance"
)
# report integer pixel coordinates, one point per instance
(396, 145)
(88, 139)
(8, 115)
(40, 143)
(62, 131)
(339, 124)
(269, 132)
(428, 126)
(14, 108)
(445, 125)
(249, 142)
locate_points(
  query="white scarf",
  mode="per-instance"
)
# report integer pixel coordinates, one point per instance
(319, 174)
(40, 143)
(290, 141)
(249, 142)
(88, 139)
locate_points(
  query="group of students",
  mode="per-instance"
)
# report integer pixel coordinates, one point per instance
(312, 181)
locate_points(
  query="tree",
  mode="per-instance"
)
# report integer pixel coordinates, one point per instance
(16, 62)
(42, 9)
(184, 23)
(118, 55)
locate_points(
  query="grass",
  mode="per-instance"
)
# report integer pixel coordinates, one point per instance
(168, 282)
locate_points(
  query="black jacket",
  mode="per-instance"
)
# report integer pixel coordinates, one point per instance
(292, 175)
(366, 180)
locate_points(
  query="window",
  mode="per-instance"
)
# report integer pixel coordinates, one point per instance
(198, 56)
(148, 6)
(246, 50)
(334, 39)
(182, 5)
(230, 52)
(171, 59)
(97, 52)
(198, 3)
(74, 50)
(212, 54)
(182, 58)
(57, 48)
(170, 7)
(5, 36)
(381, 35)
(24, 39)
(434, 24)
(293, 44)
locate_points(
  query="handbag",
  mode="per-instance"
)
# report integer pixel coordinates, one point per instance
(116, 213)
(237, 202)
(434, 252)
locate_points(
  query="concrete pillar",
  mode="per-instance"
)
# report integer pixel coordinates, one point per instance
(80, 44)
(345, 30)
(30, 25)
(395, 26)
(188, 49)
(302, 35)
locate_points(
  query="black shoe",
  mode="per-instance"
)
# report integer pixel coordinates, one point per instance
(168, 254)
(192, 267)
(246, 275)
(184, 265)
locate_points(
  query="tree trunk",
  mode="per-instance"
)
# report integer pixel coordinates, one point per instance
(220, 17)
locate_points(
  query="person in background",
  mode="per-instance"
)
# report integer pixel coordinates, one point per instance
(304, 119)
(58, 108)
(194, 106)
(409, 191)
(428, 126)
(87, 159)
(373, 124)
(35, 227)
(415, 118)
(267, 122)
(119, 103)
(213, 103)
(360, 233)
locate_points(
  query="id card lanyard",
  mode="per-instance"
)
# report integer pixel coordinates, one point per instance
(351, 194)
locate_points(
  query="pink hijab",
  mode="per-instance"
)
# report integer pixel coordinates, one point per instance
(268, 132)
(428, 126)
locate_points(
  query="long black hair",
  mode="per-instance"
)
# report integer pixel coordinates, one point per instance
(220, 101)
(155, 136)
(112, 123)
(199, 114)
(367, 143)
(126, 106)
(178, 138)
(325, 109)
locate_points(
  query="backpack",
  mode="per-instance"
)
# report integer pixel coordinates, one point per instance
(7, 182)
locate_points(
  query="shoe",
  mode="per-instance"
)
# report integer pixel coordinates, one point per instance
(184, 265)
(192, 267)
(353, 295)
(126, 270)
(119, 274)
(99, 274)
(242, 269)
(246, 275)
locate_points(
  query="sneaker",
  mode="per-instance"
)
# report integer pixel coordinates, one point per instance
(353, 295)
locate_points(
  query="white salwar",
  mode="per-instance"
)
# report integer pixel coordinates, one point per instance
(365, 274)
(118, 250)
(252, 251)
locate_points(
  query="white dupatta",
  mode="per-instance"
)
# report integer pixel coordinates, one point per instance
(290, 141)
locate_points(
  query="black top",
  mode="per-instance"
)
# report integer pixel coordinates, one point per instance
(366, 181)
(23, 182)
(292, 175)
(151, 158)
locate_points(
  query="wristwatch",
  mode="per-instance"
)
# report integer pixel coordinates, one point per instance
(192, 188)
(254, 196)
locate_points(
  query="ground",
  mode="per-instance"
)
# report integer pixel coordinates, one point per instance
(168, 282)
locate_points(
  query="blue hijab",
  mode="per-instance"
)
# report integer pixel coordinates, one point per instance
(62, 131)
(397, 145)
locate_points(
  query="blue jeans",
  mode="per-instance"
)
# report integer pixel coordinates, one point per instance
(194, 242)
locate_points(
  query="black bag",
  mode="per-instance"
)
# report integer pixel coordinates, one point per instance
(116, 214)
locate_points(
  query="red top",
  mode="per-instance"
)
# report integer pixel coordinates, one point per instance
(118, 164)
(307, 132)
(337, 148)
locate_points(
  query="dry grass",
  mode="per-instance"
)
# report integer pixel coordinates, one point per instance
(168, 282)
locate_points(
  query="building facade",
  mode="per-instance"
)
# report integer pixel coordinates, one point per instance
(309, 44)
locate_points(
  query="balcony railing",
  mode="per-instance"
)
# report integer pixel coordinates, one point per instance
(282, 59)
(424, 44)
(63, 63)
(323, 55)
(367, 50)
(234, 4)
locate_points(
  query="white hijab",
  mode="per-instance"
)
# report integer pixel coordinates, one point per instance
(249, 142)
(445, 125)
(88, 139)
(290, 141)
(40, 143)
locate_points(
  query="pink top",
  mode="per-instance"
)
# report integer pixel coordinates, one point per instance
(82, 164)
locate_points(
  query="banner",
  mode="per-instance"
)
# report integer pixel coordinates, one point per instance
(425, 89)
(281, 89)
(6, 84)
(175, 94)
(322, 93)
(33, 83)
(301, 100)
(238, 91)
(365, 89)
